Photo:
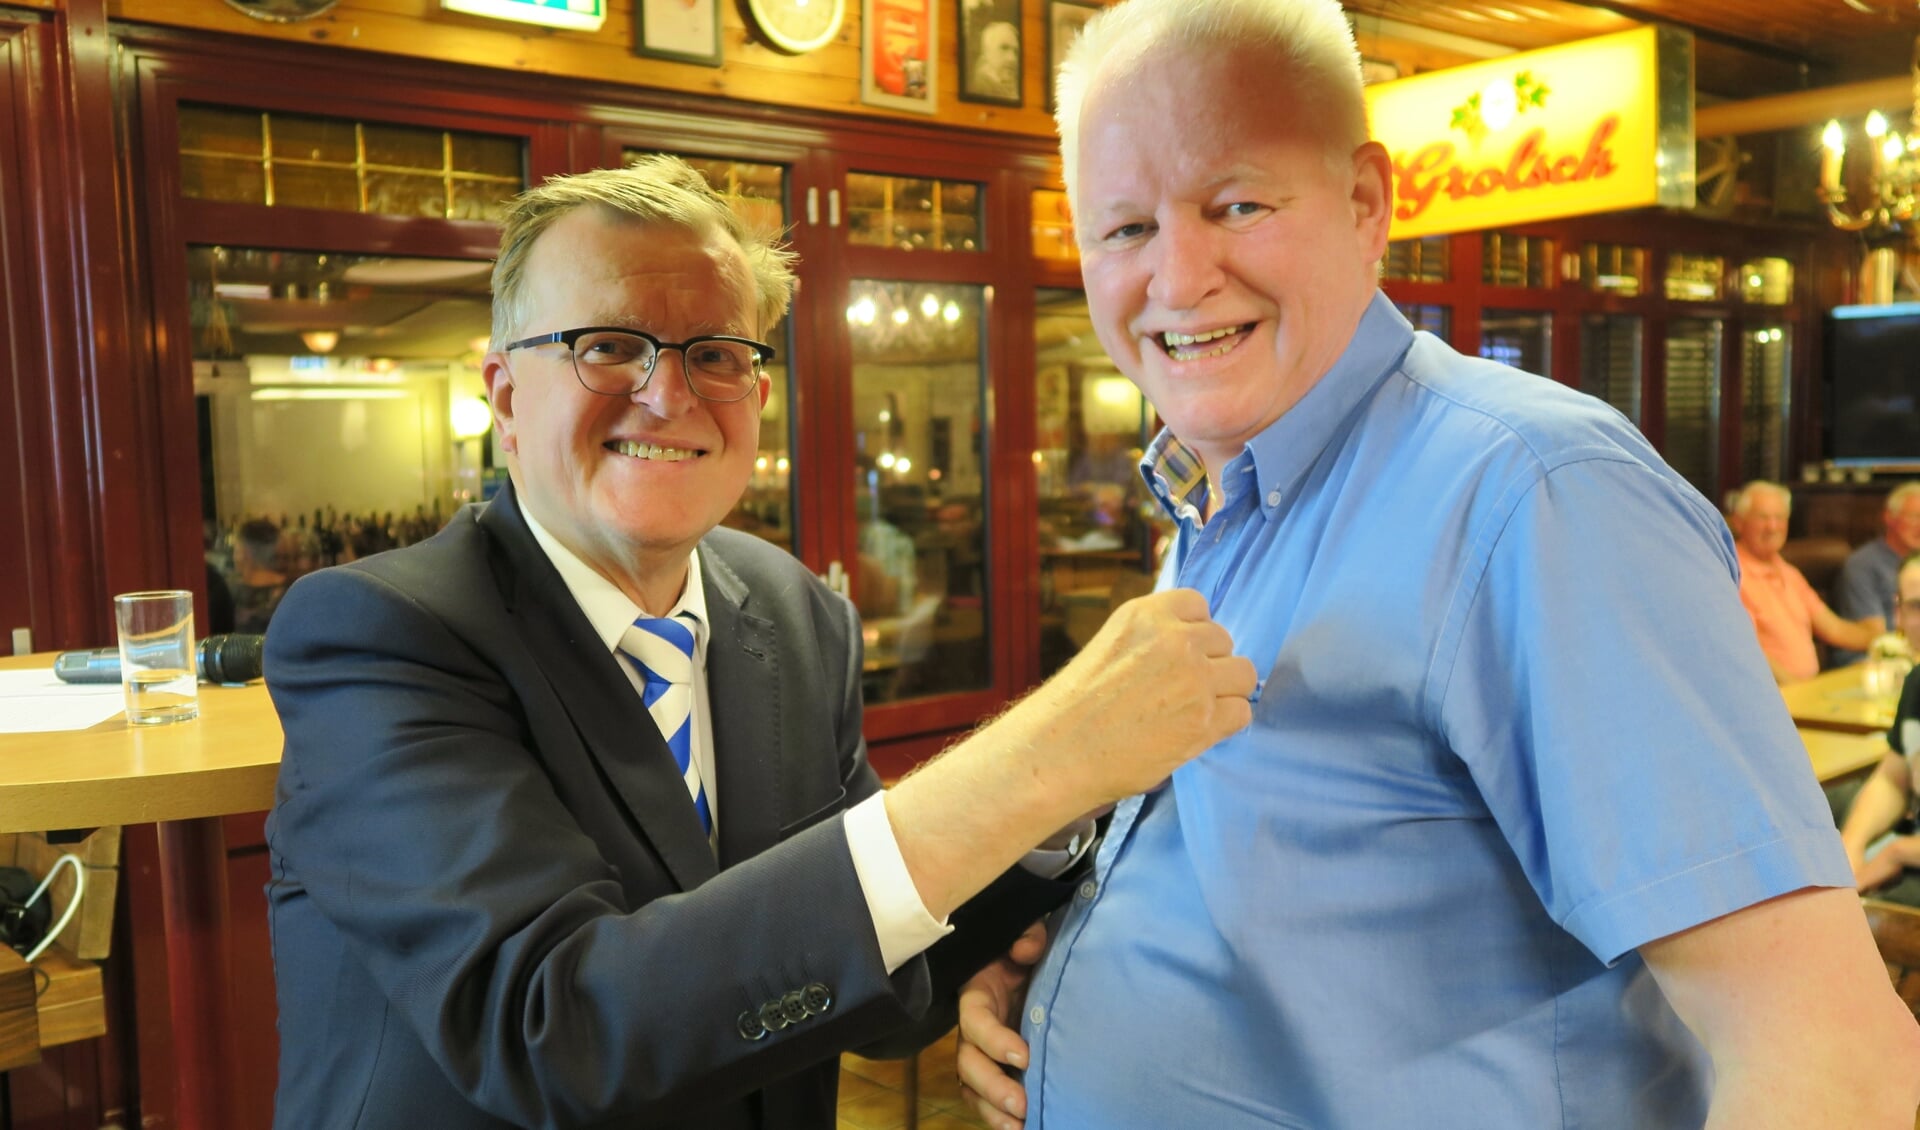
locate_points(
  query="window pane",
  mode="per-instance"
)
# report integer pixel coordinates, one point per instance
(1765, 352)
(303, 186)
(1610, 360)
(1693, 401)
(1053, 227)
(319, 162)
(1694, 278)
(920, 486)
(1097, 525)
(1520, 338)
(913, 214)
(313, 139)
(217, 129)
(1614, 268)
(1419, 260)
(1768, 281)
(1516, 260)
(223, 178)
(341, 409)
(407, 147)
(488, 156)
(1436, 320)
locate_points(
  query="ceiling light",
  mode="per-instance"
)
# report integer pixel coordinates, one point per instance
(470, 417)
(321, 341)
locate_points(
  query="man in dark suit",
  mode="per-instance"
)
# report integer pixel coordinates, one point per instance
(575, 825)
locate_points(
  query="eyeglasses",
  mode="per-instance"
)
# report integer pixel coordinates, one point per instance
(617, 362)
(1911, 607)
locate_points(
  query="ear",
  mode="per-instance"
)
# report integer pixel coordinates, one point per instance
(1372, 198)
(766, 390)
(500, 389)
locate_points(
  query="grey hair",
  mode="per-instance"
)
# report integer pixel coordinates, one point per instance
(1309, 41)
(1743, 498)
(1897, 497)
(656, 189)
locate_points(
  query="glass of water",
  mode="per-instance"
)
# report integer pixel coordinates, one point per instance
(156, 655)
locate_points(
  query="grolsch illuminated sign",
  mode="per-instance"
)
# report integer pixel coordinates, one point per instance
(1596, 126)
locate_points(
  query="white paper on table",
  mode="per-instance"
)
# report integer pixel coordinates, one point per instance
(36, 701)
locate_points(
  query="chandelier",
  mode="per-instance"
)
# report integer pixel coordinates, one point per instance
(1885, 213)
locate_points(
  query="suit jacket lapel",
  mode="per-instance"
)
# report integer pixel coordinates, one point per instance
(743, 687)
(612, 721)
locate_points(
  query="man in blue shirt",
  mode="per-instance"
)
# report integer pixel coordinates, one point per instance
(1521, 835)
(1866, 582)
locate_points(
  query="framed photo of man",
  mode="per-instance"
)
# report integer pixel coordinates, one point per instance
(686, 31)
(899, 55)
(990, 51)
(1065, 18)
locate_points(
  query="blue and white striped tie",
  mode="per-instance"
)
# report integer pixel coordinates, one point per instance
(661, 649)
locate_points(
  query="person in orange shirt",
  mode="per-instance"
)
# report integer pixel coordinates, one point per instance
(1786, 612)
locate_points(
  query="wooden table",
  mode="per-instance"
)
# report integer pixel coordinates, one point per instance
(1836, 754)
(1836, 700)
(183, 777)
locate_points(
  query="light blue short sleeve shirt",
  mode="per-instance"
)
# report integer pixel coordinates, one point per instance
(1513, 723)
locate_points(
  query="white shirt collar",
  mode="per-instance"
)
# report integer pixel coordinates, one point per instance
(609, 610)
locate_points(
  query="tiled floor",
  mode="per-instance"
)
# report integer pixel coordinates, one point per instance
(873, 1092)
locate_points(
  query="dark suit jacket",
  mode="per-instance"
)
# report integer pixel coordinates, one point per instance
(491, 901)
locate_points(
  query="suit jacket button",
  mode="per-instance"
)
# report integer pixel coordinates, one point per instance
(750, 1027)
(794, 1007)
(818, 998)
(772, 1016)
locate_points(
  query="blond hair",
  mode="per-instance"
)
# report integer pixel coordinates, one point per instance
(656, 189)
(1309, 41)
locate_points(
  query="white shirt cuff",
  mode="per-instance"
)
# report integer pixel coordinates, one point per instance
(1053, 864)
(900, 919)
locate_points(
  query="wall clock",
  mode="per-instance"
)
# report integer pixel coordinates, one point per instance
(798, 25)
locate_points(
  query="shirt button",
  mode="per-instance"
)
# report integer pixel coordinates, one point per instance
(1088, 889)
(1273, 498)
(1037, 1014)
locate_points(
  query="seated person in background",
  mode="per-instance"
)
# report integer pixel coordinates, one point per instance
(1786, 612)
(1889, 865)
(1866, 583)
(258, 583)
(575, 824)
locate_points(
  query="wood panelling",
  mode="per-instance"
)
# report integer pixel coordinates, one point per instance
(827, 79)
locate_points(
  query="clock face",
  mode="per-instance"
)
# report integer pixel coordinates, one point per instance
(798, 25)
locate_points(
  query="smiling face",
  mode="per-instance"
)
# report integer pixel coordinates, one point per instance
(628, 483)
(1903, 525)
(1227, 259)
(1763, 528)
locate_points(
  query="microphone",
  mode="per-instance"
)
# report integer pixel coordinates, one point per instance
(228, 658)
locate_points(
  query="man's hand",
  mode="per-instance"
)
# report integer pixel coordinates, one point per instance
(1155, 687)
(988, 1004)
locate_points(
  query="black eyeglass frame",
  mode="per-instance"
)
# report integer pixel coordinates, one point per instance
(763, 353)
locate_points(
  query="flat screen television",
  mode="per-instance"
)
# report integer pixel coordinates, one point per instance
(1873, 376)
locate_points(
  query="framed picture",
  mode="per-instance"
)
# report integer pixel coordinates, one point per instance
(899, 60)
(686, 31)
(1065, 18)
(990, 55)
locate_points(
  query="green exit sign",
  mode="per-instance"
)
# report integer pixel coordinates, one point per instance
(574, 15)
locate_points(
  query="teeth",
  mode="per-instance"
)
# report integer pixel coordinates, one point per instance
(1196, 339)
(653, 451)
(1179, 345)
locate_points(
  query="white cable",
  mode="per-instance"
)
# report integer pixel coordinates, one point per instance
(73, 904)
